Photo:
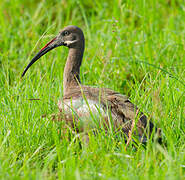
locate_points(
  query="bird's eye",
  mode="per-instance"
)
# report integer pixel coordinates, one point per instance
(65, 33)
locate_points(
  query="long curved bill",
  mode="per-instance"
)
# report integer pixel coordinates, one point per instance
(48, 47)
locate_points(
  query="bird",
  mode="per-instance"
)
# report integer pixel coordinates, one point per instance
(84, 107)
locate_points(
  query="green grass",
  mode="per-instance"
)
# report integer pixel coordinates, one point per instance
(133, 47)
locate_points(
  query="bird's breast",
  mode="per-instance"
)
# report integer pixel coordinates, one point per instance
(82, 107)
(86, 112)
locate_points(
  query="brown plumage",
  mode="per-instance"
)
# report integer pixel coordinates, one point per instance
(85, 107)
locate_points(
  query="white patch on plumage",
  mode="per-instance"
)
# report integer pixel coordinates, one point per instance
(89, 113)
(81, 106)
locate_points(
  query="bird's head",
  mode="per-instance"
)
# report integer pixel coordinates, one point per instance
(70, 36)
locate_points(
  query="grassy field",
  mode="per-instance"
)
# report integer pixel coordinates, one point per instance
(133, 47)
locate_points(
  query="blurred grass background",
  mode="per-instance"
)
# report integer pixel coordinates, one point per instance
(133, 47)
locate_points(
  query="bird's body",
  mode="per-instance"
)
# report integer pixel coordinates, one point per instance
(90, 107)
(85, 107)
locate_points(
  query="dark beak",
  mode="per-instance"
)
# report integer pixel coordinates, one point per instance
(48, 47)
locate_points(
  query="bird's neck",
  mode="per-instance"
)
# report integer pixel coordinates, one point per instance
(71, 75)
